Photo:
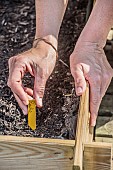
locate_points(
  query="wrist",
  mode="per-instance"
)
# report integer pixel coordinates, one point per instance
(47, 43)
(50, 39)
(89, 46)
(91, 37)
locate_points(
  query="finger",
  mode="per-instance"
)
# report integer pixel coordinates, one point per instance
(95, 100)
(80, 82)
(29, 91)
(22, 106)
(15, 83)
(39, 87)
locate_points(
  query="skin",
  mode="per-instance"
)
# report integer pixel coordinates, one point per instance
(87, 62)
(39, 62)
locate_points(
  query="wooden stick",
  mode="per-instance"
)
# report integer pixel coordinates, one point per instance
(18, 139)
(83, 132)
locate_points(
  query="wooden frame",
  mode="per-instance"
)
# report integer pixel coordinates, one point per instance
(25, 153)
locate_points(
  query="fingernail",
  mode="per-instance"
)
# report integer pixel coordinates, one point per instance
(93, 123)
(40, 101)
(79, 90)
(24, 112)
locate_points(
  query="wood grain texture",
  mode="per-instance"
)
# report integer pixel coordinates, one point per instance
(19, 155)
(104, 139)
(5, 138)
(97, 156)
(83, 134)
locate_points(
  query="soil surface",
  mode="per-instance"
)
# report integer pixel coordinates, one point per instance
(57, 118)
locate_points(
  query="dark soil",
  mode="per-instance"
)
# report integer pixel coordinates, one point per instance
(57, 118)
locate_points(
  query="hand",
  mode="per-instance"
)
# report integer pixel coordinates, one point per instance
(39, 62)
(88, 62)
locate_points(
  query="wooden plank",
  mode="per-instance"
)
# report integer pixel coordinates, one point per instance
(4, 138)
(97, 156)
(110, 35)
(34, 154)
(83, 134)
(104, 139)
(108, 140)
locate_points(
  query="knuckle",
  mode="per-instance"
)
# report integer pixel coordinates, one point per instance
(14, 60)
(43, 75)
(79, 80)
(10, 60)
(76, 69)
(11, 83)
(71, 56)
(39, 91)
(43, 78)
(17, 58)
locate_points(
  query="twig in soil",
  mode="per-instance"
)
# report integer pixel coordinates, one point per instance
(63, 63)
(67, 95)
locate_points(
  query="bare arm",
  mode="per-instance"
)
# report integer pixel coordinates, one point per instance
(49, 15)
(99, 23)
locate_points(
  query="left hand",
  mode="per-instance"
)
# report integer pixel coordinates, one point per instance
(39, 62)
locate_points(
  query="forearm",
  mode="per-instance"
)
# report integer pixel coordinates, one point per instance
(99, 23)
(49, 15)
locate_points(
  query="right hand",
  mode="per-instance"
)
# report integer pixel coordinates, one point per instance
(88, 62)
(39, 62)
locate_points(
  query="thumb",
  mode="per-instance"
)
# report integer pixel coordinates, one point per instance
(80, 82)
(39, 87)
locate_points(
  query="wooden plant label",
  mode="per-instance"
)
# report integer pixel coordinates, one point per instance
(32, 114)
